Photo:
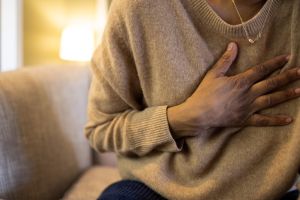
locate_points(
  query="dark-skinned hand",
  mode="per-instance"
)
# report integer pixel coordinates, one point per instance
(233, 101)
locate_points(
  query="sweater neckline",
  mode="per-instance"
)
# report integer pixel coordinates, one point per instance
(207, 16)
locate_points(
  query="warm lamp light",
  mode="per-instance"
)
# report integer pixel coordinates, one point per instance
(77, 43)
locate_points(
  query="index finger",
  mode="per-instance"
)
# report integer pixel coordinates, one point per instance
(258, 72)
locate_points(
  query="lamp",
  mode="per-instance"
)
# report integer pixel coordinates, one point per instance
(77, 43)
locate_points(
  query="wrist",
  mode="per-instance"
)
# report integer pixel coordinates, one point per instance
(178, 122)
(174, 115)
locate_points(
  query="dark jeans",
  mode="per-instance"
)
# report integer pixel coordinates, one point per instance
(134, 190)
(129, 190)
(293, 195)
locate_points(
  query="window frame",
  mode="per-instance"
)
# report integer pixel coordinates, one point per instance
(11, 24)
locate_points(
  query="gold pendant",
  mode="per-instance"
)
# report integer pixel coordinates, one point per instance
(251, 41)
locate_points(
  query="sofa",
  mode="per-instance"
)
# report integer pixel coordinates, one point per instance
(44, 154)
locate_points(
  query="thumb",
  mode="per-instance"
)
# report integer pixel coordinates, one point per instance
(224, 63)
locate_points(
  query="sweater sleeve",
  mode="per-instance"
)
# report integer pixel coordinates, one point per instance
(117, 119)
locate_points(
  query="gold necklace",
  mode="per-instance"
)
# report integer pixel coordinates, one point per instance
(258, 36)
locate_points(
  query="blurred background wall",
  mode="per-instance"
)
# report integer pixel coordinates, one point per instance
(44, 21)
(40, 25)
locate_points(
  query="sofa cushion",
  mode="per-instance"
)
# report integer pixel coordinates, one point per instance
(105, 159)
(42, 145)
(92, 183)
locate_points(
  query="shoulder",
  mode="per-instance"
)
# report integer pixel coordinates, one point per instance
(125, 6)
(137, 7)
(133, 4)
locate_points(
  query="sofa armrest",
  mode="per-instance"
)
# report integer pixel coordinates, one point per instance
(42, 145)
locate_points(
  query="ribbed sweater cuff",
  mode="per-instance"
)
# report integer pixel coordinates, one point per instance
(150, 129)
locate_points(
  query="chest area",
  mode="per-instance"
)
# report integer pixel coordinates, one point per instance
(174, 63)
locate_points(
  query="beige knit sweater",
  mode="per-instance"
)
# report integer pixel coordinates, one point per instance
(154, 53)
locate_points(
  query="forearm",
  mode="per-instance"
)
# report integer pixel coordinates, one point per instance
(115, 126)
(132, 132)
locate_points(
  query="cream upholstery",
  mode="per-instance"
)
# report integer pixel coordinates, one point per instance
(42, 147)
(92, 183)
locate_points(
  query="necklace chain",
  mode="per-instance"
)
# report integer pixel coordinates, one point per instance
(258, 36)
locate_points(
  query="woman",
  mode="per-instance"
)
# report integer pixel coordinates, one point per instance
(187, 120)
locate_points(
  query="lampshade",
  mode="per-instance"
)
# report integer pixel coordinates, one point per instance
(77, 43)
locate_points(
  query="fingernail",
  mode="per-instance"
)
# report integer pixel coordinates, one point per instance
(298, 71)
(288, 120)
(288, 57)
(230, 46)
(297, 90)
